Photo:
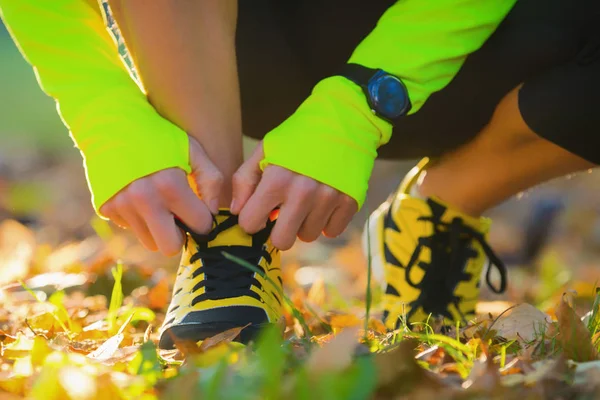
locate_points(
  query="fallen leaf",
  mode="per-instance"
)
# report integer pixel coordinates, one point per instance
(159, 295)
(574, 337)
(185, 347)
(335, 355)
(224, 337)
(523, 323)
(484, 376)
(316, 294)
(398, 373)
(582, 370)
(341, 321)
(110, 347)
(19, 348)
(39, 351)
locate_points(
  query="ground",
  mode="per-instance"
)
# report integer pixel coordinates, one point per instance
(81, 300)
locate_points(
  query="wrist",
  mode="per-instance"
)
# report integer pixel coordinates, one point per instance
(333, 138)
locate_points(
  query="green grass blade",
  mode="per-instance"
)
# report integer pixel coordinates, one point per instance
(54, 312)
(369, 278)
(116, 299)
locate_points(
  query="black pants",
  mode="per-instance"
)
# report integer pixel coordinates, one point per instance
(552, 46)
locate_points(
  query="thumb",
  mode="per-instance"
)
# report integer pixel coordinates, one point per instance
(246, 179)
(206, 176)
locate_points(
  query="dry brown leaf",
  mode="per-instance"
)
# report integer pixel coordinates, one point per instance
(574, 337)
(398, 372)
(341, 321)
(484, 376)
(523, 323)
(159, 295)
(316, 294)
(187, 348)
(224, 337)
(335, 355)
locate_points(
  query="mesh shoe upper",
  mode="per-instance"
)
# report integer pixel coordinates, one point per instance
(431, 256)
(213, 293)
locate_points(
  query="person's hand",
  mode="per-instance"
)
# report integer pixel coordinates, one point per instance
(148, 206)
(307, 208)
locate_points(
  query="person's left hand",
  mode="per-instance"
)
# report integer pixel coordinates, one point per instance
(307, 207)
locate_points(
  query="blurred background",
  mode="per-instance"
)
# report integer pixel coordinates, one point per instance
(550, 235)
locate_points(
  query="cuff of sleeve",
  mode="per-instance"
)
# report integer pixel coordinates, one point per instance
(154, 146)
(333, 138)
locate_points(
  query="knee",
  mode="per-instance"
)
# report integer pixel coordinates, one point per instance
(507, 128)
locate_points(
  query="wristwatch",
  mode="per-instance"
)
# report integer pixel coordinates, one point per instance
(386, 94)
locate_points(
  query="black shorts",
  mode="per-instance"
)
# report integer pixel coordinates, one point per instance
(551, 46)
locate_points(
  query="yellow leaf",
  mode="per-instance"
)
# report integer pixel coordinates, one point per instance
(12, 384)
(39, 351)
(339, 322)
(19, 348)
(22, 366)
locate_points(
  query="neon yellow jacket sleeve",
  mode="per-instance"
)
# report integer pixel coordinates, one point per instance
(333, 136)
(120, 135)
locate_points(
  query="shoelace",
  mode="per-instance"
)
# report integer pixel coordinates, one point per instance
(224, 278)
(450, 252)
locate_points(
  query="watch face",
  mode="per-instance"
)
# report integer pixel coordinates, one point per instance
(388, 95)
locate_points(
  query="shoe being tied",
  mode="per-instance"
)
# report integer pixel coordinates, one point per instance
(213, 294)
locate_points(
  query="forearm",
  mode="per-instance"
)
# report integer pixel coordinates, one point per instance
(425, 44)
(184, 53)
(120, 135)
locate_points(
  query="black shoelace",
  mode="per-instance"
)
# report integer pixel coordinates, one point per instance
(224, 278)
(450, 247)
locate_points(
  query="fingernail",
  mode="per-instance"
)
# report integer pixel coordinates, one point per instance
(232, 206)
(214, 206)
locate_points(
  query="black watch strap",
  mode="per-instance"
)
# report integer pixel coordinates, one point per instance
(358, 74)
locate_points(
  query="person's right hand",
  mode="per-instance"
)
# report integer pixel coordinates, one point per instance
(148, 206)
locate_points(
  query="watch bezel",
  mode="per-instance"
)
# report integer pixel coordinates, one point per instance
(373, 87)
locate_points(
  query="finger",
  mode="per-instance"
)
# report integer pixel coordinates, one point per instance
(108, 210)
(178, 197)
(291, 217)
(208, 178)
(167, 236)
(138, 226)
(317, 218)
(246, 179)
(341, 217)
(268, 195)
(118, 220)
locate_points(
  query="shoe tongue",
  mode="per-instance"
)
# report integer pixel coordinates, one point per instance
(234, 236)
(481, 224)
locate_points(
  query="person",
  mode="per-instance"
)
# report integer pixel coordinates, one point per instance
(499, 95)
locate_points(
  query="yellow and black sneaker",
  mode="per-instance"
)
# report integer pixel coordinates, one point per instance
(429, 256)
(213, 294)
